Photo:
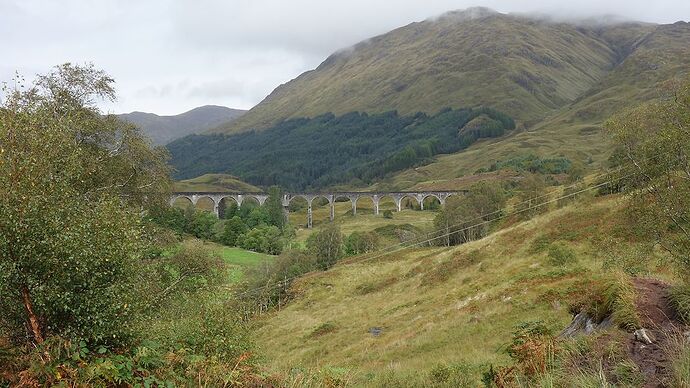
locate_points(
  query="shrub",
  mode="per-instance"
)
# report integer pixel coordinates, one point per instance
(533, 348)
(193, 267)
(560, 255)
(358, 243)
(326, 246)
(273, 278)
(388, 214)
(266, 239)
(233, 229)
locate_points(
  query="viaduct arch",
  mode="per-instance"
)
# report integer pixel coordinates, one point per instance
(331, 197)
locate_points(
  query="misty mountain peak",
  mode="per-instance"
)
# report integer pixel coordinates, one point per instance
(471, 13)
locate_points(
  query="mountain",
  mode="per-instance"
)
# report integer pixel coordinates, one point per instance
(163, 129)
(559, 81)
(524, 66)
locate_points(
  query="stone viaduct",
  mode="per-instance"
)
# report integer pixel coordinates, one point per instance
(332, 197)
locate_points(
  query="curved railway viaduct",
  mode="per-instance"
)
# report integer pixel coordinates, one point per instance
(331, 197)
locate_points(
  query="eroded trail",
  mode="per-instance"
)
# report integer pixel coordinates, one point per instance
(658, 318)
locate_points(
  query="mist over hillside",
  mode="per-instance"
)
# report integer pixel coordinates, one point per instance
(164, 129)
(558, 80)
(526, 66)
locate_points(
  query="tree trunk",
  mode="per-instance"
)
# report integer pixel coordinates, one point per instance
(33, 319)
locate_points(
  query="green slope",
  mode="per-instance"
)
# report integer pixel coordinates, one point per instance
(575, 129)
(523, 66)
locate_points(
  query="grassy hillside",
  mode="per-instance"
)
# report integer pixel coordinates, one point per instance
(407, 312)
(523, 66)
(575, 129)
(214, 183)
(164, 129)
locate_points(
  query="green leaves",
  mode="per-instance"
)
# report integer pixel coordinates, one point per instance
(72, 183)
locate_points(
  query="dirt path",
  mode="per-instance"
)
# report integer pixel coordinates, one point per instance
(658, 318)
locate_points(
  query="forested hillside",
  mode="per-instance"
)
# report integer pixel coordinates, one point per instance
(354, 148)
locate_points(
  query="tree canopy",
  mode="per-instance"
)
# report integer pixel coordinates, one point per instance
(73, 183)
(654, 150)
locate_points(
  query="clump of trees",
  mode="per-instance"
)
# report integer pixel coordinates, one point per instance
(534, 164)
(85, 282)
(252, 227)
(468, 218)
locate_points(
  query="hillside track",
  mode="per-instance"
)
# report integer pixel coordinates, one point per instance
(659, 318)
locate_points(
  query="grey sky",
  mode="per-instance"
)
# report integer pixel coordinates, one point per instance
(170, 56)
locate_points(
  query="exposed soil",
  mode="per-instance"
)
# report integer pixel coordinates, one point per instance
(659, 319)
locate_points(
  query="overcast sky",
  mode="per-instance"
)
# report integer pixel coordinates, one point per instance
(170, 56)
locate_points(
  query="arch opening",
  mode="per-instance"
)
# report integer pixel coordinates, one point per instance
(431, 202)
(321, 210)
(297, 211)
(409, 202)
(387, 206)
(182, 203)
(366, 205)
(205, 204)
(228, 208)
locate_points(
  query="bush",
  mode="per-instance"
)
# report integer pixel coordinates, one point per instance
(533, 348)
(358, 243)
(326, 246)
(193, 267)
(269, 284)
(560, 255)
(388, 214)
(460, 221)
(266, 239)
(232, 230)
(532, 190)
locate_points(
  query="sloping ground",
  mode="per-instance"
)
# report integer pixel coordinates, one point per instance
(408, 311)
(215, 183)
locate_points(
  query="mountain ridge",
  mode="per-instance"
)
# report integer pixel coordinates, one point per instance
(162, 129)
(417, 68)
